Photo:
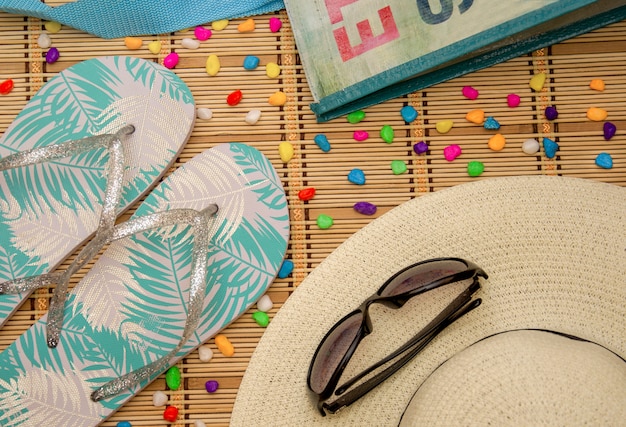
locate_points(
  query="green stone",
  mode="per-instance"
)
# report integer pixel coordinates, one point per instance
(356, 116)
(172, 378)
(398, 167)
(386, 133)
(261, 318)
(324, 221)
(475, 168)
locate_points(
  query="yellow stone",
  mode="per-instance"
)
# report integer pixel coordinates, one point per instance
(537, 81)
(497, 142)
(212, 65)
(154, 47)
(219, 25)
(52, 26)
(133, 43)
(597, 114)
(476, 116)
(278, 99)
(246, 26)
(285, 150)
(597, 84)
(444, 126)
(272, 70)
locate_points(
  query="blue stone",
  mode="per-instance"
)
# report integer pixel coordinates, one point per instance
(356, 176)
(604, 160)
(123, 424)
(250, 62)
(322, 142)
(285, 269)
(491, 123)
(550, 148)
(408, 113)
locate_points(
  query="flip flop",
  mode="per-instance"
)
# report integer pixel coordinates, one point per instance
(141, 307)
(55, 194)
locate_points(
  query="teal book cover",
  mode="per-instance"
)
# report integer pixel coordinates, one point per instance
(358, 53)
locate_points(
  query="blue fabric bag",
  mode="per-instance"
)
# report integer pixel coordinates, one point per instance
(120, 18)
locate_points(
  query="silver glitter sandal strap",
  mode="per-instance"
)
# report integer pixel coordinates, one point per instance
(197, 294)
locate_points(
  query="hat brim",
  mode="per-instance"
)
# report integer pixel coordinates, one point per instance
(555, 252)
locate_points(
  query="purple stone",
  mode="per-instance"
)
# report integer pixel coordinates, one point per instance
(609, 130)
(551, 113)
(52, 55)
(420, 148)
(211, 386)
(365, 208)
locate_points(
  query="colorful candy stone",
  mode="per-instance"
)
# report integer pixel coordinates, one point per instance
(52, 55)
(170, 414)
(609, 129)
(365, 208)
(6, 87)
(52, 27)
(212, 65)
(278, 99)
(199, 423)
(252, 117)
(234, 97)
(451, 152)
(324, 221)
(387, 134)
(551, 113)
(537, 82)
(173, 378)
(171, 60)
(597, 84)
(408, 113)
(123, 424)
(285, 269)
(204, 113)
(261, 318)
(604, 160)
(202, 33)
(306, 194)
(360, 135)
(246, 26)
(491, 123)
(224, 345)
(154, 47)
(444, 126)
(205, 353)
(272, 70)
(513, 100)
(211, 386)
(398, 167)
(322, 142)
(133, 43)
(355, 116)
(497, 142)
(356, 176)
(475, 168)
(44, 41)
(550, 148)
(219, 25)
(420, 148)
(530, 146)
(189, 43)
(265, 303)
(286, 151)
(159, 398)
(475, 116)
(596, 114)
(251, 62)
(275, 24)
(469, 92)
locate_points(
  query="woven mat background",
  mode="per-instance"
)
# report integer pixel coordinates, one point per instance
(570, 67)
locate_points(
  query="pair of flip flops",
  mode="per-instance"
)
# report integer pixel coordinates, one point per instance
(201, 248)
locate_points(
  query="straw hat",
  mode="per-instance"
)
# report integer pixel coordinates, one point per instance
(545, 347)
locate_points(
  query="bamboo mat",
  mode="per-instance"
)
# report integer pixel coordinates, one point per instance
(570, 67)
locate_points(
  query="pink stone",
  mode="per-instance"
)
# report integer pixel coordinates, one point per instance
(451, 152)
(513, 100)
(171, 60)
(469, 92)
(202, 33)
(360, 135)
(275, 24)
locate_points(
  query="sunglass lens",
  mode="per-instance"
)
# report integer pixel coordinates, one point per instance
(422, 274)
(332, 350)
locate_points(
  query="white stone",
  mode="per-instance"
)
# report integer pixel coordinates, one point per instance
(265, 303)
(204, 113)
(44, 41)
(253, 116)
(159, 398)
(198, 423)
(530, 146)
(190, 43)
(205, 353)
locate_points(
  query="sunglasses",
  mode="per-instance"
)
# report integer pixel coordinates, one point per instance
(340, 343)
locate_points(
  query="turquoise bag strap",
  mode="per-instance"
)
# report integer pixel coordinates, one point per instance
(119, 18)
